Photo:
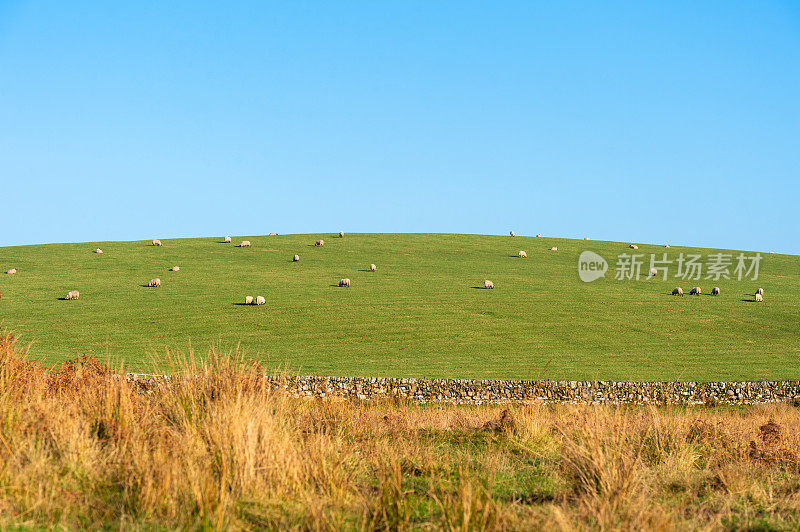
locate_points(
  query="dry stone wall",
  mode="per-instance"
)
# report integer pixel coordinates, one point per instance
(475, 392)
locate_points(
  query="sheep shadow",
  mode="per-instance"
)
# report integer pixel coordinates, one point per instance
(480, 288)
(244, 304)
(365, 270)
(63, 299)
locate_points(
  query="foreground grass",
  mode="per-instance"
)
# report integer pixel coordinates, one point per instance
(82, 448)
(418, 315)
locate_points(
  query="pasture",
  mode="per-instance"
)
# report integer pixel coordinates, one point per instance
(422, 313)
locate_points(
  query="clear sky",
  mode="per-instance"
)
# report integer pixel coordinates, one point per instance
(636, 121)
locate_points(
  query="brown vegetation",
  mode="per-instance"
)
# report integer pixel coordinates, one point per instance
(83, 447)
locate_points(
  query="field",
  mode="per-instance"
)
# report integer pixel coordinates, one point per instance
(81, 448)
(423, 313)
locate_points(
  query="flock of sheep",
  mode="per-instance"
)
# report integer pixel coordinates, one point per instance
(487, 284)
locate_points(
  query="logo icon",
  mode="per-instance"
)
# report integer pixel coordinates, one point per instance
(591, 266)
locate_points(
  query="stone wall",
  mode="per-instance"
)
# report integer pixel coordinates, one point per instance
(463, 391)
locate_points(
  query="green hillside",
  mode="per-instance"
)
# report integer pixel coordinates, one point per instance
(422, 313)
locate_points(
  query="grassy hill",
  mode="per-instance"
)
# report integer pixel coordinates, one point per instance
(421, 313)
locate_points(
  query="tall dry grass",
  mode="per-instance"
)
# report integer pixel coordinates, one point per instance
(213, 447)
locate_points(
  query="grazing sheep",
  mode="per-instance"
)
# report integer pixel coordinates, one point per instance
(511, 233)
(696, 291)
(157, 242)
(227, 240)
(666, 245)
(344, 282)
(759, 298)
(586, 238)
(677, 291)
(553, 248)
(248, 300)
(634, 246)
(522, 254)
(760, 291)
(73, 294)
(296, 258)
(273, 234)
(245, 244)
(341, 234)
(715, 291)
(653, 272)
(12, 270)
(539, 235)
(154, 282)
(98, 250)
(319, 243)
(260, 300)
(372, 267)
(175, 269)
(488, 284)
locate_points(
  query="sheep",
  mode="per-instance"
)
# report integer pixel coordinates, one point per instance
(175, 269)
(248, 300)
(341, 234)
(677, 291)
(12, 270)
(488, 284)
(553, 248)
(98, 250)
(539, 235)
(245, 244)
(72, 294)
(227, 240)
(522, 254)
(696, 291)
(319, 243)
(372, 267)
(273, 234)
(296, 258)
(154, 282)
(759, 298)
(260, 300)
(715, 291)
(666, 246)
(345, 282)
(157, 242)
(586, 238)
(634, 246)
(653, 272)
(511, 233)
(760, 291)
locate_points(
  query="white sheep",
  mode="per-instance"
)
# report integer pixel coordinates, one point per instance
(245, 244)
(98, 250)
(488, 284)
(73, 294)
(296, 258)
(666, 246)
(696, 291)
(522, 254)
(154, 282)
(677, 291)
(12, 270)
(157, 242)
(248, 300)
(372, 267)
(227, 240)
(586, 238)
(553, 248)
(273, 234)
(260, 300)
(653, 272)
(759, 298)
(319, 243)
(344, 282)
(539, 235)
(760, 291)
(634, 246)
(175, 269)
(511, 233)
(715, 291)
(341, 234)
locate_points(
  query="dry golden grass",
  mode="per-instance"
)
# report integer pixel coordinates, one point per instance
(213, 448)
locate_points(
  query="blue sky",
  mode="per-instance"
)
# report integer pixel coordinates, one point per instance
(653, 122)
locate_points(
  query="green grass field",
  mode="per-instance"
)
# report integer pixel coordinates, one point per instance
(421, 314)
